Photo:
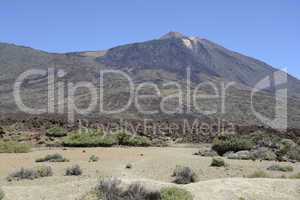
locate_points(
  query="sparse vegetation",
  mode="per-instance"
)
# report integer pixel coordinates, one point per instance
(14, 147)
(277, 167)
(73, 171)
(56, 132)
(111, 189)
(93, 158)
(130, 140)
(23, 174)
(294, 153)
(295, 176)
(217, 162)
(174, 193)
(31, 174)
(226, 143)
(44, 171)
(184, 175)
(95, 138)
(259, 174)
(52, 158)
(90, 139)
(1, 194)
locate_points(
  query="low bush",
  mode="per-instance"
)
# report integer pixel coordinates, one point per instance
(14, 147)
(90, 139)
(226, 143)
(174, 193)
(264, 139)
(93, 158)
(44, 171)
(56, 132)
(285, 146)
(130, 140)
(294, 153)
(259, 174)
(280, 168)
(184, 175)
(1, 194)
(112, 189)
(73, 171)
(23, 174)
(52, 158)
(217, 162)
(30, 174)
(94, 138)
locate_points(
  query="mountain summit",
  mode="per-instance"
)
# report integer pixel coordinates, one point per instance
(173, 34)
(176, 52)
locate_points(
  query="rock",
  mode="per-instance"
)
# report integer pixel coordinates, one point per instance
(207, 153)
(230, 155)
(240, 155)
(244, 155)
(263, 153)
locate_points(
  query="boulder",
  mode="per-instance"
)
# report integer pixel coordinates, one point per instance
(263, 153)
(207, 153)
(240, 155)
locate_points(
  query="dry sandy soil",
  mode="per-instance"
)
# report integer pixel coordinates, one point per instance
(149, 164)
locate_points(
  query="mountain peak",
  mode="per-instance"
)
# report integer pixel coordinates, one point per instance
(173, 34)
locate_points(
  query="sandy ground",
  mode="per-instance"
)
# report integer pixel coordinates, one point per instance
(154, 164)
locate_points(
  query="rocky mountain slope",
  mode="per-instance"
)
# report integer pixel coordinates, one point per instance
(158, 61)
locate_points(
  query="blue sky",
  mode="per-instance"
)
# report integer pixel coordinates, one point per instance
(268, 30)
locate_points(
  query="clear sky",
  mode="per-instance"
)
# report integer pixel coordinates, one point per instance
(265, 29)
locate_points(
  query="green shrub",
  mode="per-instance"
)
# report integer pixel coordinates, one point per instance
(123, 138)
(130, 140)
(73, 171)
(1, 194)
(14, 147)
(94, 138)
(294, 153)
(44, 171)
(223, 144)
(139, 141)
(30, 174)
(93, 158)
(285, 147)
(56, 132)
(89, 140)
(52, 158)
(280, 168)
(174, 193)
(259, 174)
(184, 175)
(217, 162)
(264, 139)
